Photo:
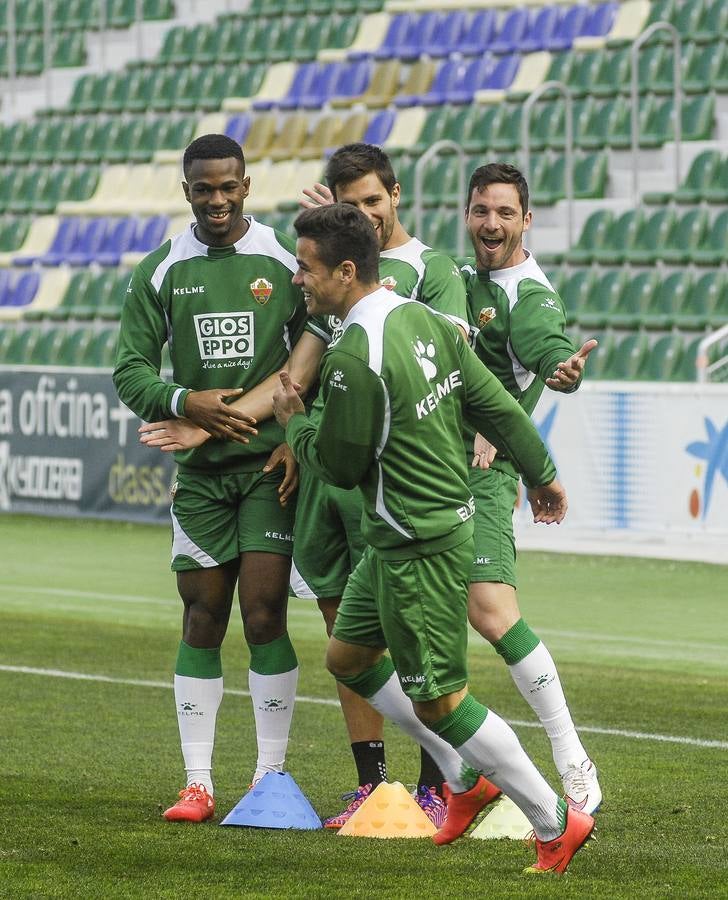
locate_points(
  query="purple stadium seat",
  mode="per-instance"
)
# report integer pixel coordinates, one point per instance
(237, 127)
(397, 32)
(472, 75)
(302, 81)
(379, 127)
(600, 20)
(424, 30)
(321, 88)
(150, 234)
(570, 26)
(542, 27)
(5, 291)
(511, 30)
(118, 239)
(23, 291)
(448, 36)
(61, 243)
(353, 79)
(88, 241)
(478, 32)
(502, 74)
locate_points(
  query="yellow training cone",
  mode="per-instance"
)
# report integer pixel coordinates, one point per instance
(505, 820)
(388, 812)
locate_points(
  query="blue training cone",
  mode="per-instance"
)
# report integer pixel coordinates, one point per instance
(276, 801)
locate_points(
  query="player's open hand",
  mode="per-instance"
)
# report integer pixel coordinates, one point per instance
(283, 456)
(318, 195)
(548, 502)
(569, 372)
(286, 402)
(172, 434)
(209, 411)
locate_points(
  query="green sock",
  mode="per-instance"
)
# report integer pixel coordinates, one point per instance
(198, 662)
(371, 680)
(273, 658)
(516, 643)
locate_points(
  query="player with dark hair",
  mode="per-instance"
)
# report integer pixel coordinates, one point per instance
(517, 327)
(220, 296)
(395, 388)
(328, 540)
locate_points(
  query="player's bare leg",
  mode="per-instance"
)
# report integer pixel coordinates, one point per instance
(273, 674)
(494, 613)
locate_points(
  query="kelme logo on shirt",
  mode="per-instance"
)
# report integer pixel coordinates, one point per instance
(389, 283)
(337, 381)
(261, 289)
(424, 354)
(486, 314)
(225, 335)
(549, 303)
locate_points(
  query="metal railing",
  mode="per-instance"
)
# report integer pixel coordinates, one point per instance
(547, 88)
(431, 152)
(635, 97)
(705, 370)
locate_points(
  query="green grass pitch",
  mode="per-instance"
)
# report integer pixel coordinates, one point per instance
(89, 764)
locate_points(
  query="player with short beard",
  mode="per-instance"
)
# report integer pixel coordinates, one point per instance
(517, 328)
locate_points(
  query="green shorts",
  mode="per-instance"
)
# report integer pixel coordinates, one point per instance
(215, 518)
(495, 495)
(328, 541)
(418, 609)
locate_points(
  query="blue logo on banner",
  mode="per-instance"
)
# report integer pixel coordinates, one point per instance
(714, 452)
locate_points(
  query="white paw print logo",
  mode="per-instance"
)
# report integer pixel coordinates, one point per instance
(338, 375)
(424, 354)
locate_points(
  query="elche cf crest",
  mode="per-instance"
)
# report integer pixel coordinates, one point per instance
(486, 314)
(261, 289)
(389, 283)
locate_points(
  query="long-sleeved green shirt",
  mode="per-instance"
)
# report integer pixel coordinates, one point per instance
(517, 328)
(395, 389)
(229, 316)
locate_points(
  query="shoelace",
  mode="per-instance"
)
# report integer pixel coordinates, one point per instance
(356, 796)
(194, 792)
(577, 779)
(426, 798)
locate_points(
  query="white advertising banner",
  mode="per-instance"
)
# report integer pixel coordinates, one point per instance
(643, 464)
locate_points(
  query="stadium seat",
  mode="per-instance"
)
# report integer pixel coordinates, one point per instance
(59, 246)
(379, 127)
(633, 302)
(622, 236)
(479, 32)
(592, 237)
(600, 359)
(601, 301)
(706, 304)
(576, 291)
(668, 302)
(645, 237)
(717, 190)
(712, 249)
(510, 32)
(629, 357)
(664, 360)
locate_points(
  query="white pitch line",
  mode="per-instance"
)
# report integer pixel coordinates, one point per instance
(323, 701)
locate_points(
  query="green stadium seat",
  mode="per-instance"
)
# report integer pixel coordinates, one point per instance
(100, 351)
(649, 237)
(20, 348)
(507, 129)
(593, 235)
(478, 128)
(687, 17)
(120, 13)
(698, 118)
(601, 301)
(29, 55)
(29, 16)
(69, 50)
(72, 346)
(707, 306)
(664, 360)
(669, 299)
(621, 237)
(717, 190)
(633, 302)
(629, 356)
(720, 78)
(600, 359)
(712, 250)
(702, 66)
(613, 75)
(609, 126)
(436, 128)
(576, 290)
(685, 238)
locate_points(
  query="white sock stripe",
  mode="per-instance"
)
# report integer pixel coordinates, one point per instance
(324, 701)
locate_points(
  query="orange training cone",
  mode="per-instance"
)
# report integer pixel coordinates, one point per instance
(388, 812)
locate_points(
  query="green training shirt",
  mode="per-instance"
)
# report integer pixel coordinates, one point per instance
(229, 315)
(517, 328)
(395, 387)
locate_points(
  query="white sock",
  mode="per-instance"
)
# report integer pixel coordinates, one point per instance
(495, 751)
(538, 681)
(392, 702)
(273, 699)
(197, 700)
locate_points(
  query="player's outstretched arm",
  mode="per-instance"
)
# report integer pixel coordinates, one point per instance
(548, 503)
(568, 372)
(254, 406)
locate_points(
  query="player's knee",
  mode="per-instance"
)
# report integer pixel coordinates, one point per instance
(202, 627)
